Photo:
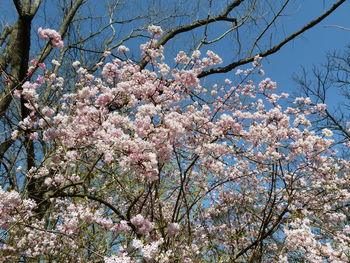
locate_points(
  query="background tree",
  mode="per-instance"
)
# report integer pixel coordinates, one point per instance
(329, 83)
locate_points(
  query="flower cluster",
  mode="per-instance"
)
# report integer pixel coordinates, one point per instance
(155, 30)
(141, 163)
(51, 34)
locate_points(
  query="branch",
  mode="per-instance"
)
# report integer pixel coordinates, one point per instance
(7, 30)
(17, 50)
(4, 147)
(102, 201)
(265, 235)
(196, 24)
(268, 26)
(18, 6)
(94, 198)
(341, 27)
(27, 7)
(35, 6)
(274, 49)
(64, 27)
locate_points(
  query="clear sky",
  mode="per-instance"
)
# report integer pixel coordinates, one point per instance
(311, 48)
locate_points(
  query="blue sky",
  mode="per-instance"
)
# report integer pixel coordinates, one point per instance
(306, 50)
(311, 48)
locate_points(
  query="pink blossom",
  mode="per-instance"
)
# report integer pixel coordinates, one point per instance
(14, 135)
(134, 155)
(155, 30)
(107, 53)
(215, 58)
(181, 57)
(42, 66)
(121, 227)
(327, 132)
(196, 54)
(76, 64)
(122, 49)
(122, 258)
(173, 229)
(33, 136)
(55, 62)
(144, 225)
(51, 34)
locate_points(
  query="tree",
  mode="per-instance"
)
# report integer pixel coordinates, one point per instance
(138, 161)
(138, 166)
(326, 82)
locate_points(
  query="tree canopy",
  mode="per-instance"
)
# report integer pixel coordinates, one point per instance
(118, 146)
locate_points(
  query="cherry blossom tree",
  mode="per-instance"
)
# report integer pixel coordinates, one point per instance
(109, 154)
(90, 28)
(145, 164)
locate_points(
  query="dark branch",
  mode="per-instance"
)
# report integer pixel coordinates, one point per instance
(273, 49)
(196, 24)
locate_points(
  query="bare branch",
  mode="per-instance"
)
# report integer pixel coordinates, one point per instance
(196, 24)
(268, 26)
(4, 146)
(35, 6)
(64, 27)
(7, 30)
(341, 27)
(273, 49)
(18, 6)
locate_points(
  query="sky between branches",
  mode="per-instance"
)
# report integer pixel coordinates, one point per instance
(304, 51)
